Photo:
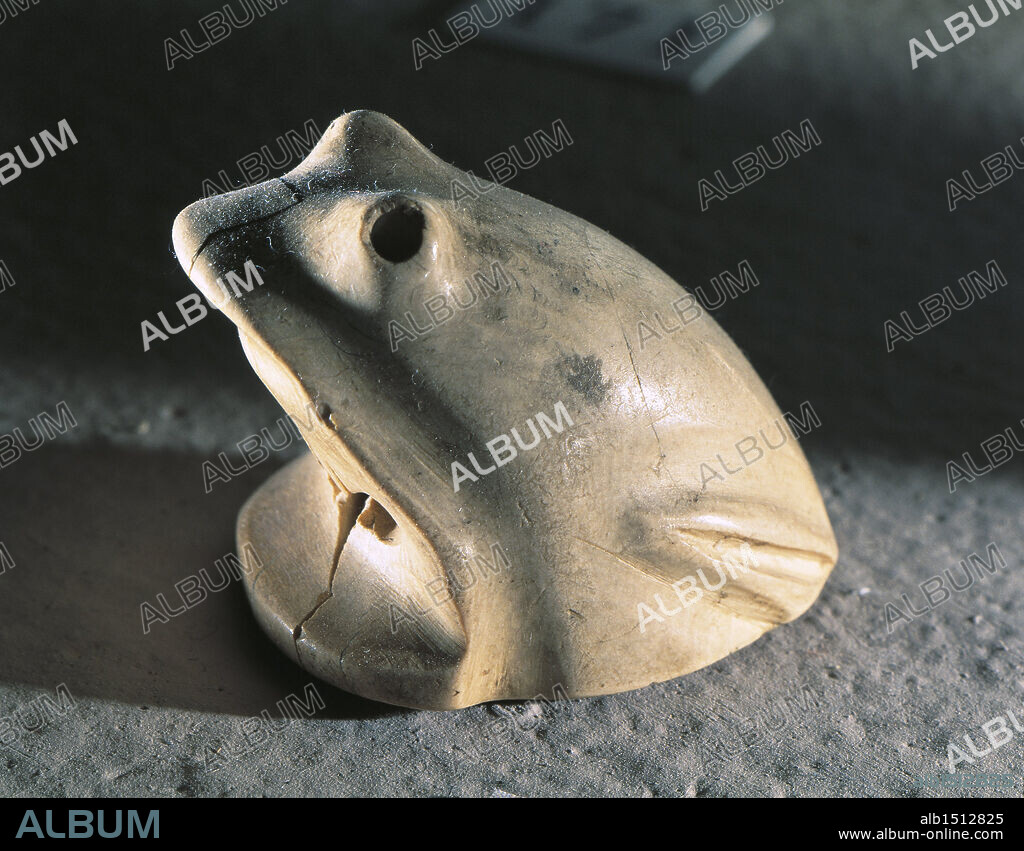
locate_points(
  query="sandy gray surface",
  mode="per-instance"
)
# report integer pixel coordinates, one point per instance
(112, 513)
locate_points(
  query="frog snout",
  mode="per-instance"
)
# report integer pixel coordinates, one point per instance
(199, 224)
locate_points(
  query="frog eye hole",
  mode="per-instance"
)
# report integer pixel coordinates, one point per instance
(397, 231)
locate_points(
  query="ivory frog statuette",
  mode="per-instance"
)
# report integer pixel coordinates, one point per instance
(521, 431)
